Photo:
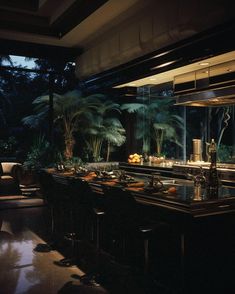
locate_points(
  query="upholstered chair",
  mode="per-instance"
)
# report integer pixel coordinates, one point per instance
(10, 173)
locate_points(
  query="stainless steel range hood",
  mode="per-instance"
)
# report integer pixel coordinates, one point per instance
(210, 86)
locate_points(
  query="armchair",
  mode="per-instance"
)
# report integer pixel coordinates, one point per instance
(10, 173)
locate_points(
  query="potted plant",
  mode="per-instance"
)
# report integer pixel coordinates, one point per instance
(37, 158)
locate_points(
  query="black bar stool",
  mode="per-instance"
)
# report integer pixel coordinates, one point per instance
(47, 190)
(77, 208)
(83, 204)
(97, 213)
(123, 220)
(65, 195)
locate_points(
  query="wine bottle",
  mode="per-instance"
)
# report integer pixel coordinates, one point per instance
(213, 180)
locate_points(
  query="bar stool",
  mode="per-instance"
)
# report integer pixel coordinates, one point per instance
(47, 190)
(83, 203)
(77, 203)
(65, 194)
(97, 212)
(123, 220)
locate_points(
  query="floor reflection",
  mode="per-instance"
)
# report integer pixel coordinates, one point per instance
(25, 270)
(22, 269)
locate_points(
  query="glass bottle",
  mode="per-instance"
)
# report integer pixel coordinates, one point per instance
(199, 185)
(213, 180)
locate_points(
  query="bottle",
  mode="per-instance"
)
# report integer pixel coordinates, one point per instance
(213, 180)
(199, 185)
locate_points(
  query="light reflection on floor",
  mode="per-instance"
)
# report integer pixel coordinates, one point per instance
(21, 269)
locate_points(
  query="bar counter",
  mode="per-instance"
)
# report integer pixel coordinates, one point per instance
(184, 200)
(203, 227)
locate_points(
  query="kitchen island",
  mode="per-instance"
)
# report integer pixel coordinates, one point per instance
(202, 229)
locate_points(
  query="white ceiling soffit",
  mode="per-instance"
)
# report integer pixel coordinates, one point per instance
(168, 76)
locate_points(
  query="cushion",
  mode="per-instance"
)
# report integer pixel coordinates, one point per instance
(6, 180)
(7, 167)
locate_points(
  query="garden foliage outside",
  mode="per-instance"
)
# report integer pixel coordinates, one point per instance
(89, 128)
(89, 124)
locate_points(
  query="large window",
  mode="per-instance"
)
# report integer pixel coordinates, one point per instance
(164, 129)
(22, 80)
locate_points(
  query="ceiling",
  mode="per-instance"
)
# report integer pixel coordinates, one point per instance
(69, 25)
(39, 28)
(178, 74)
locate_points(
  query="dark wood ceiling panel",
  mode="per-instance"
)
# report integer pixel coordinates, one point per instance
(13, 16)
(26, 23)
(28, 5)
(49, 7)
(45, 31)
(9, 47)
(22, 18)
(77, 12)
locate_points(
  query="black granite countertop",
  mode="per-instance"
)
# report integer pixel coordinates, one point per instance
(185, 198)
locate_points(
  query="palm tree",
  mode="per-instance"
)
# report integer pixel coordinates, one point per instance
(157, 122)
(104, 127)
(8, 75)
(63, 73)
(5, 102)
(114, 135)
(101, 130)
(71, 111)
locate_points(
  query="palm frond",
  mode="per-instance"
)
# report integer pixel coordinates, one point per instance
(32, 121)
(115, 137)
(113, 121)
(133, 107)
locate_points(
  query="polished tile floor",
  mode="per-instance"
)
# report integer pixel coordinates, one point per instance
(22, 270)
(25, 223)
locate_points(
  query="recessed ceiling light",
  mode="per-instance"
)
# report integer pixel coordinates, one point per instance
(164, 64)
(161, 54)
(204, 63)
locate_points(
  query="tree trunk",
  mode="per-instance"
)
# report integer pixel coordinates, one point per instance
(159, 141)
(69, 144)
(108, 152)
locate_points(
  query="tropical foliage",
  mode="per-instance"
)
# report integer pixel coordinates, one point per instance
(224, 153)
(8, 146)
(156, 121)
(71, 111)
(221, 118)
(38, 155)
(90, 116)
(104, 129)
(99, 134)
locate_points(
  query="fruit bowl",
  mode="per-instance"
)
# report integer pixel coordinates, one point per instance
(134, 158)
